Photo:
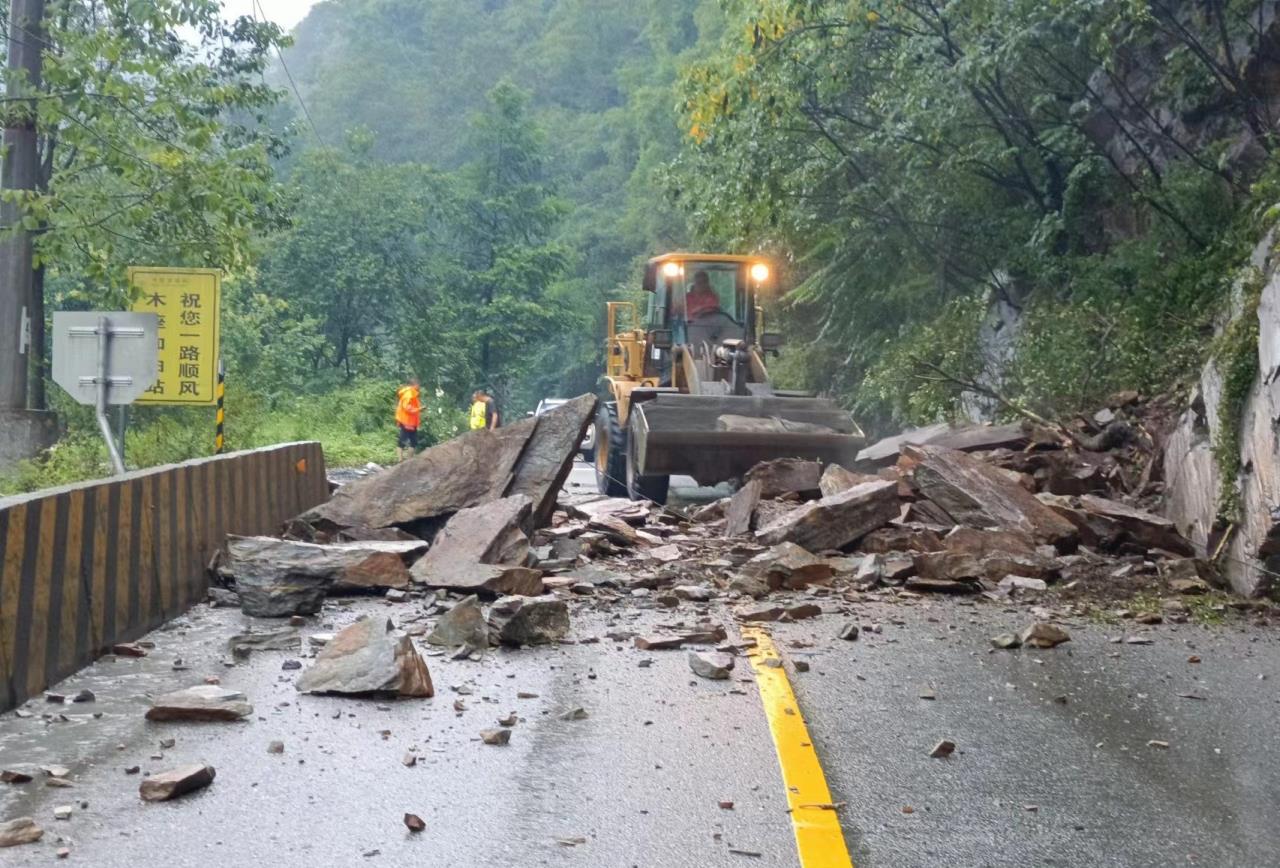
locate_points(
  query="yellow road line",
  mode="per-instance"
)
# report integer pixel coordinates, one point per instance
(819, 839)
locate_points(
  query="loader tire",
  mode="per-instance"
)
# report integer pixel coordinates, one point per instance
(611, 452)
(652, 488)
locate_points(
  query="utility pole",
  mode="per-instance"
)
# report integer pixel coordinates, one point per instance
(25, 432)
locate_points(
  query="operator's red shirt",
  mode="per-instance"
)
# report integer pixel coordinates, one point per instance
(701, 301)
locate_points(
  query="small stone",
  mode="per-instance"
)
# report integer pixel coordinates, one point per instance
(59, 783)
(907, 809)
(509, 720)
(128, 649)
(55, 698)
(85, 695)
(173, 783)
(1194, 658)
(801, 665)
(297, 621)
(849, 632)
(291, 665)
(1157, 743)
(167, 743)
(711, 664)
(414, 823)
(726, 805)
(928, 694)
(495, 736)
(574, 714)
(396, 596)
(275, 747)
(409, 760)
(1042, 634)
(1006, 640)
(943, 749)
(13, 776)
(62, 812)
(132, 770)
(62, 852)
(1149, 618)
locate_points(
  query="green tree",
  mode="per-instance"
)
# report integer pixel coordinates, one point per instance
(151, 145)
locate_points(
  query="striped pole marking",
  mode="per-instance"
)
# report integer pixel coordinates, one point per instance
(819, 839)
(220, 413)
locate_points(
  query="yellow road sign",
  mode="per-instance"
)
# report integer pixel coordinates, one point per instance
(187, 303)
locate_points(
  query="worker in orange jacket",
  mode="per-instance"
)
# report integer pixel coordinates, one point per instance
(408, 413)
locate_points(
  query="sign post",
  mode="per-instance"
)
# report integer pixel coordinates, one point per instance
(104, 358)
(186, 302)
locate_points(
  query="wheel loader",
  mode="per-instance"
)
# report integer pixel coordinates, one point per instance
(686, 387)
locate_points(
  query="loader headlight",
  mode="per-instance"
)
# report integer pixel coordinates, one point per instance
(759, 272)
(672, 269)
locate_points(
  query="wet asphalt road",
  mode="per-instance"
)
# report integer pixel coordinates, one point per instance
(637, 783)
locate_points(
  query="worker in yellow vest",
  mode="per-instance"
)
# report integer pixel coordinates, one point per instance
(408, 414)
(484, 412)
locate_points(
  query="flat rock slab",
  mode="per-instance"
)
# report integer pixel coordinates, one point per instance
(836, 521)
(528, 620)
(284, 577)
(491, 580)
(968, 439)
(1115, 519)
(370, 656)
(490, 534)
(18, 831)
(469, 470)
(740, 512)
(979, 495)
(288, 639)
(786, 476)
(204, 702)
(547, 459)
(167, 785)
(464, 624)
(714, 665)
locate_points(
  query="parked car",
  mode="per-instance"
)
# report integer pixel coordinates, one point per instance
(588, 448)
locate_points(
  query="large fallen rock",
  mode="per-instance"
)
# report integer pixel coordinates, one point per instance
(162, 786)
(786, 476)
(468, 550)
(531, 457)
(528, 620)
(370, 656)
(266, 562)
(464, 624)
(836, 521)
(979, 495)
(206, 702)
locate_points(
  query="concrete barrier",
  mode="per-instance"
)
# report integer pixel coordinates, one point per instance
(86, 566)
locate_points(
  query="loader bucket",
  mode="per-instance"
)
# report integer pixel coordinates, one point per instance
(714, 438)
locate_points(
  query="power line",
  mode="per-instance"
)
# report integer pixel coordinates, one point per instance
(292, 84)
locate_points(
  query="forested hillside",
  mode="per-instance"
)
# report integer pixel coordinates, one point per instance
(559, 119)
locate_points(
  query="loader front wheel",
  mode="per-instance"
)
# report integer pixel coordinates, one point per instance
(611, 452)
(652, 488)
